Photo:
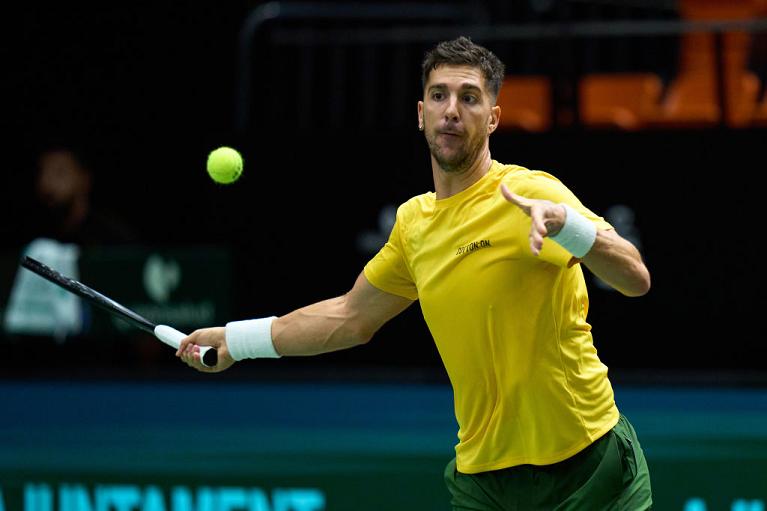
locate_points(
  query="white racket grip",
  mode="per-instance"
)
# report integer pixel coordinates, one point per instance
(173, 338)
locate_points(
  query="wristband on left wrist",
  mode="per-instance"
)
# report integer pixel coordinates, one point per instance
(577, 234)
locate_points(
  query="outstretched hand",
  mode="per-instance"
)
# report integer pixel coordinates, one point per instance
(547, 217)
(189, 349)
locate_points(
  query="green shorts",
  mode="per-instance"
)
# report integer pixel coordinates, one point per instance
(610, 474)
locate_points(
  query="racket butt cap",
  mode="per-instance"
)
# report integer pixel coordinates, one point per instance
(208, 356)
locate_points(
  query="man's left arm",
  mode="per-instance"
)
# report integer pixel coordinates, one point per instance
(605, 253)
(617, 262)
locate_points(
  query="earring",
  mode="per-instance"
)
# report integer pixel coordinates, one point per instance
(420, 127)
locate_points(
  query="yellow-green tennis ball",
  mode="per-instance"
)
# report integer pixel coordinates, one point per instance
(224, 165)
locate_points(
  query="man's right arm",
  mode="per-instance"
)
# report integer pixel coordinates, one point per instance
(330, 325)
(337, 323)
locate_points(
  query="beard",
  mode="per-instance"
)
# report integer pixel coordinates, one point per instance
(457, 159)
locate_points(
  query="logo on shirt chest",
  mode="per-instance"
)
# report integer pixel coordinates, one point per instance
(472, 247)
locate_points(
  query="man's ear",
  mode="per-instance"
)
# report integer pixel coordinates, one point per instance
(494, 119)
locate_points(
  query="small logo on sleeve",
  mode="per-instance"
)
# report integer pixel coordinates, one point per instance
(472, 247)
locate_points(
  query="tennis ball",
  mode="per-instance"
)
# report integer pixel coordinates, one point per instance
(224, 165)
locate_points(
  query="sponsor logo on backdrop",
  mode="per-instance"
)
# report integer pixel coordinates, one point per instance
(129, 497)
(162, 278)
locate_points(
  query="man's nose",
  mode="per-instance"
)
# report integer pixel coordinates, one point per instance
(451, 112)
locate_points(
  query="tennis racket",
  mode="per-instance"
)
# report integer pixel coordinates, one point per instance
(168, 335)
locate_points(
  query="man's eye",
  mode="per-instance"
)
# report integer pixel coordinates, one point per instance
(437, 95)
(470, 99)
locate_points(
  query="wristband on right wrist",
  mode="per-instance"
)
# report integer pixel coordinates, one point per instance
(578, 233)
(251, 338)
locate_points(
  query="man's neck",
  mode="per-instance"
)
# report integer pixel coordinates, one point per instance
(447, 184)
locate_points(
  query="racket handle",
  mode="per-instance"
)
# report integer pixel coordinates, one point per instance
(173, 338)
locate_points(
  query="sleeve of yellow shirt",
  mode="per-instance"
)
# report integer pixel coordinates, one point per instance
(388, 270)
(536, 184)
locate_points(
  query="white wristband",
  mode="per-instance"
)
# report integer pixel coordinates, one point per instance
(577, 235)
(251, 338)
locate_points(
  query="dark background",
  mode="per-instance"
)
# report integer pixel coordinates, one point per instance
(148, 89)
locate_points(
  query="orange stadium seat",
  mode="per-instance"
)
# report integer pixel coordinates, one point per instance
(759, 115)
(525, 103)
(692, 98)
(751, 84)
(744, 108)
(619, 100)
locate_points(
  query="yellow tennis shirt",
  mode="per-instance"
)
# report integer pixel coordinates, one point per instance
(510, 327)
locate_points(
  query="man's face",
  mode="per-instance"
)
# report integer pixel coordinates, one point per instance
(457, 115)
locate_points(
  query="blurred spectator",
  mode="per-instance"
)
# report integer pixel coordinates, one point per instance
(61, 222)
(64, 210)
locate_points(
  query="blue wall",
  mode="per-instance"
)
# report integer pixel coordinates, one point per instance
(189, 446)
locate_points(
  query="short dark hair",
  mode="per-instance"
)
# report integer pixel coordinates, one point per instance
(463, 52)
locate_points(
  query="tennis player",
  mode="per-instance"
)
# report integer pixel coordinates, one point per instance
(494, 256)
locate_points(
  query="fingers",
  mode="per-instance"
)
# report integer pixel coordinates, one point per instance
(521, 202)
(186, 353)
(185, 343)
(189, 352)
(536, 241)
(507, 193)
(536, 210)
(191, 357)
(189, 349)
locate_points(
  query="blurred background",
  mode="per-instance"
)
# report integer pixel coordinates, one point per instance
(653, 112)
